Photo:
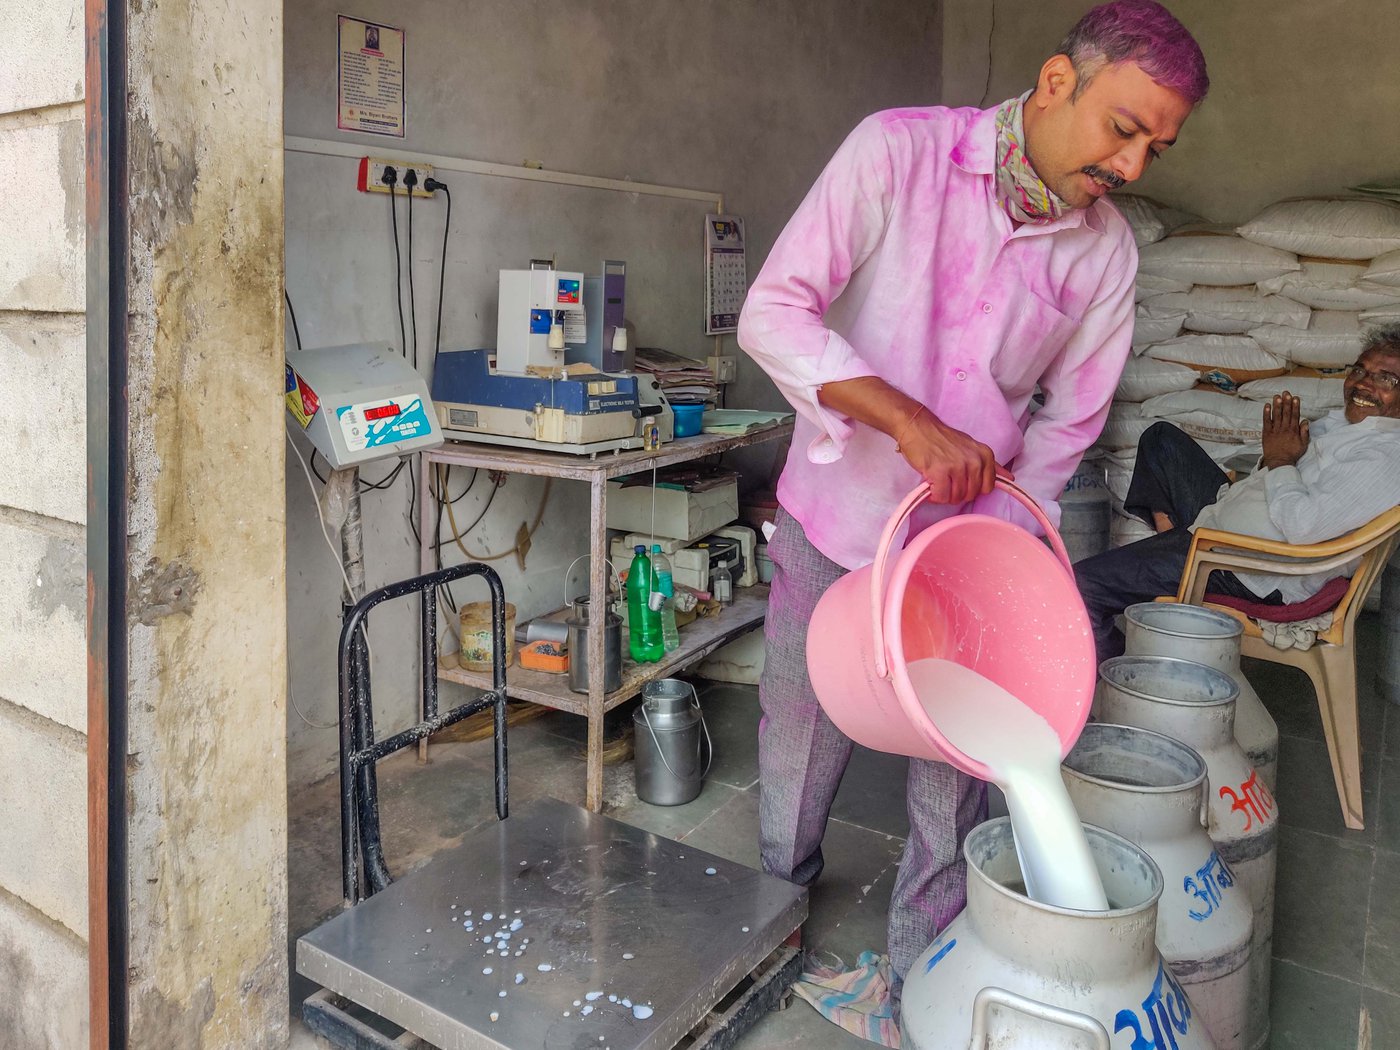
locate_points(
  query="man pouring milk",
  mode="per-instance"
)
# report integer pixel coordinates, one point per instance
(945, 264)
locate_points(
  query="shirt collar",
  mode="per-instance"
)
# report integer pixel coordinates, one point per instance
(1337, 418)
(975, 153)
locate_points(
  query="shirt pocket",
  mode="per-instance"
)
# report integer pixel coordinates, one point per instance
(1031, 343)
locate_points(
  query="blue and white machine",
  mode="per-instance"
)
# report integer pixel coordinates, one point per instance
(525, 393)
(360, 403)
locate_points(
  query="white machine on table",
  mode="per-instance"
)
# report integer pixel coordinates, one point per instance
(360, 403)
(547, 384)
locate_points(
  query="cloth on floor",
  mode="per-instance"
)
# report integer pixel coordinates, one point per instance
(856, 1000)
(1300, 634)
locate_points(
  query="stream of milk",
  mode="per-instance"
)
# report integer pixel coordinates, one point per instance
(1022, 752)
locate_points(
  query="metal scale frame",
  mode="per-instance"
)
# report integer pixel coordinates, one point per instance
(691, 943)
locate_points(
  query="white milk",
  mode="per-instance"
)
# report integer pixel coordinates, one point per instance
(985, 722)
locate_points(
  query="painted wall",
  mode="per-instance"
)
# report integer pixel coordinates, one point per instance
(1301, 94)
(746, 99)
(43, 716)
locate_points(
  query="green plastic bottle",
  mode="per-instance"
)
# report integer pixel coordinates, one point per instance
(643, 622)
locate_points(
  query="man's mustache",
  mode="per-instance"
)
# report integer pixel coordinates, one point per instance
(1109, 179)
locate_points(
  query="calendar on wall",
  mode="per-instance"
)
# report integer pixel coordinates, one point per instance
(726, 273)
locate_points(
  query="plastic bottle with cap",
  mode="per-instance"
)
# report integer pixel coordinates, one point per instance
(666, 584)
(644, 639)
(722, 585)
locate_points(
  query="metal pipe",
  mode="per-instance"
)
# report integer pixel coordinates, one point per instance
(106, 197)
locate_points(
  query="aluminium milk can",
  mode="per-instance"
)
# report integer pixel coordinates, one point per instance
(1195, 704)
(667, 732)
(1085, 510)
(1211, 638)
(1015, 974)
(1151, 789)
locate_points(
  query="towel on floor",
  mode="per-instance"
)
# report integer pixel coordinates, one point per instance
(857, 1000)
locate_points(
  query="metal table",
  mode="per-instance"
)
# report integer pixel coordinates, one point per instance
(605, 907)
(698, 640)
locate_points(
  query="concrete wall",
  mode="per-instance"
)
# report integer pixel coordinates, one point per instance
(206, 629)
(1300, 92)
(744, 98)
(43, 852)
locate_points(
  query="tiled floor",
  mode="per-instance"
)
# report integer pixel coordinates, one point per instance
(1337, 924)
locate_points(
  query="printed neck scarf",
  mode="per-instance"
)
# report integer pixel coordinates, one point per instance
(1019, 189)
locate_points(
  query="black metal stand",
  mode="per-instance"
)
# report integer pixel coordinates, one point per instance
(361, 849)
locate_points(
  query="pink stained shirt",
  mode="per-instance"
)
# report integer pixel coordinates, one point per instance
(900, 263)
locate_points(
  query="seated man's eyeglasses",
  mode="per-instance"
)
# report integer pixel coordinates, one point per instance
(1389, 380)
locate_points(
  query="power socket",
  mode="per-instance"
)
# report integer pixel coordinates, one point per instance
(371, 176)
(725, 368)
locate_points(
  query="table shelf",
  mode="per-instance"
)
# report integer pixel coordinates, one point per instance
(698, 639)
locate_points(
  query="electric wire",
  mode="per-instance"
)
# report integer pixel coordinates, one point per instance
(457, 534)
(293, 315)
(398, 271)
(442, 272)
(412, 305)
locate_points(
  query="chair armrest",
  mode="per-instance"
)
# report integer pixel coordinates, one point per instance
(1213, 549)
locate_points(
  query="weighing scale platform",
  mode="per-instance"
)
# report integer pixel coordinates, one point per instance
(597, 906)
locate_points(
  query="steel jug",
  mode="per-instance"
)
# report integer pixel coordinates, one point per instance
(669, 731)
(579, 624)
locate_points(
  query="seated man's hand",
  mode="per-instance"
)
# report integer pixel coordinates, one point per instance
(1285, 431)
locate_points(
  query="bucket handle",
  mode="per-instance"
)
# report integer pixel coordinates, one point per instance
(1056, 1015)
(569, 602)
(709, 744)
(897, 519)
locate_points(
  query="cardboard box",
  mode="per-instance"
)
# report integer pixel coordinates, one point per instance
(680, 514)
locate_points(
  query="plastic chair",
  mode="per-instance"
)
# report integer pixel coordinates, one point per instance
(1331, 661)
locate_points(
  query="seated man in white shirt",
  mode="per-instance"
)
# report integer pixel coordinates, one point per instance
(1315, 482)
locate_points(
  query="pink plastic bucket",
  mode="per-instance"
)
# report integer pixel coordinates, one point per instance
(972, 589)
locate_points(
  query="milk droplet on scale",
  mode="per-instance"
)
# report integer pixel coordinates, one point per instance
(711, 871)
(486, 916)
(502, 993)
(486, 969)
(586, 1011)
(612, 998)
(519, 977)
(628, 955)
(640, 1012)
(544, 967)
(593, 995)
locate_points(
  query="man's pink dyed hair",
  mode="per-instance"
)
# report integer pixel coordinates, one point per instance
(1142, 32)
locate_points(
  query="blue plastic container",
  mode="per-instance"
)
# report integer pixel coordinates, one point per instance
(688, 419)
